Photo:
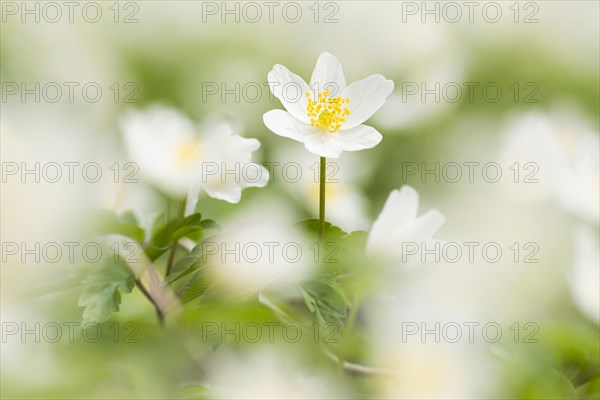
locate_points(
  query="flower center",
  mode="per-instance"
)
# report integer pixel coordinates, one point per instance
(188, 151)
(327, 114)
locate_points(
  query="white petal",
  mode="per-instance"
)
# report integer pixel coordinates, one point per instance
(366, 96)
(284, 124)
(254, 175)
(401, 206)
(358, 138)
(157, 122)
(241, 148)
(232, 169)
(398, 223)
(232, 178)
(152, 138)
(399, 210)
(323, 144)
(230, 192)
(328, 75)
(424, 227)
(217, 131)
(192, 197)
(291, 90)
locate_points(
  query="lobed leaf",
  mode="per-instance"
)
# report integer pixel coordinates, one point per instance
(102, 290)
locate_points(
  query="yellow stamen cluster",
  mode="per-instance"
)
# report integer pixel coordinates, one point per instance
(327, 114)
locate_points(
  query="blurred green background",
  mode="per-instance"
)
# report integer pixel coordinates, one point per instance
(170, 55)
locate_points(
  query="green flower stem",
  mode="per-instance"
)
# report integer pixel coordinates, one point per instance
(322, 198)
(361, 369)
(146, 293)
(281, 314)
(174, 245)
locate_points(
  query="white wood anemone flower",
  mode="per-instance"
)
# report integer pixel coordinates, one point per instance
(327, 115)
(561, 152)
(398, 223)
(178, 157)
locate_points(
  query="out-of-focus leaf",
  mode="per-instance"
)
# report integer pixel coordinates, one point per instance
(195, 287)
(311, 225)
(129, 217)
(195, 392)
(209, 228)
(159, 221)
(185, 265)
(357, 239)
(106, 222)
(174, 230)
(102, 290)
(325, 300)
(165, 236)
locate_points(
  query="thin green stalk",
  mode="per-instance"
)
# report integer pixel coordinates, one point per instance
(322, 198)
(146, 293)
(174, 245)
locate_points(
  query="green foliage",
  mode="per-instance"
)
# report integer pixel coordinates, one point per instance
(311, 225)
(186, 264)
(325, 301)
(195, 287)
(164, 236)
(341, 276)
(102, 290)
(564, 364)
(106, 222)
(104, 284)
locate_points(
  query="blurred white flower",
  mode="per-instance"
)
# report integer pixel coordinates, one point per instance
(398, 223)
(426, 94)
(584, 274)
(169, 152)
(37, 143)
(560, 157)
(327, 115)
(432, 371)
(266, 374)
(258, 251)
(579, 193)
(418, 329)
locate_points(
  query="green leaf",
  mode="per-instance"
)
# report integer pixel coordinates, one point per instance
(311, 225)
(129, 217)
(106, 222)
(185, 265)
(192, 226)
(158, 223)
(102, 290)
(163, 237)
(357, 240)
(189, 230)
(195, 392)
(325, 300)
(173, 230)
(355, 278)
(195, 287)
(209, 228)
